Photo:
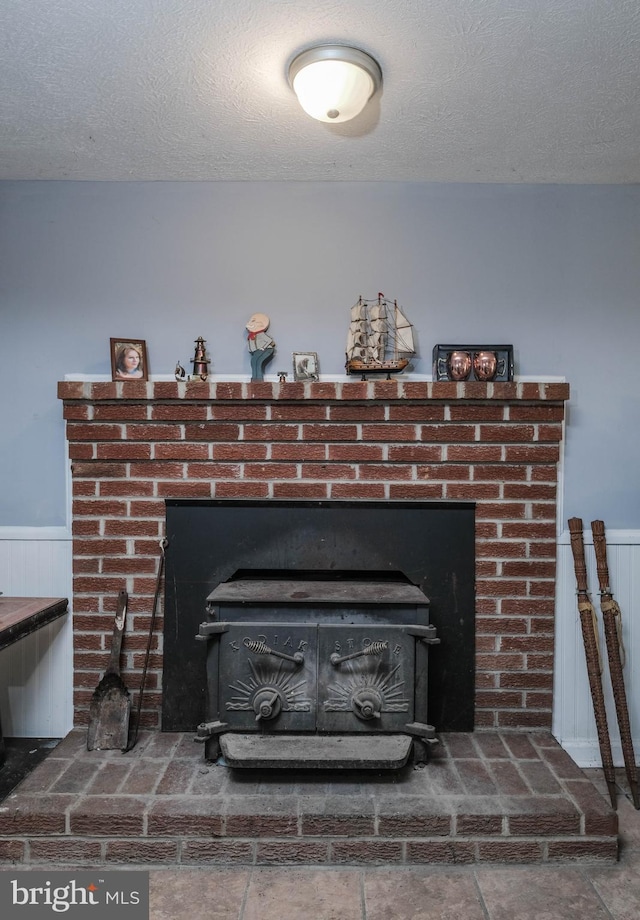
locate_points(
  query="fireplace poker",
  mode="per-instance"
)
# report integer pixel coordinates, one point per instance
(589, 626)
(163, 545)
(612, 618)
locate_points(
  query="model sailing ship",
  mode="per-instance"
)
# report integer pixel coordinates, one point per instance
(380, 339)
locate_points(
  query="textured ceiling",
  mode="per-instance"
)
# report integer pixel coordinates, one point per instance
(473, 91)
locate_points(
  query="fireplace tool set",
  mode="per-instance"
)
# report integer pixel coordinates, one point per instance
(611, 615)
(110, 708)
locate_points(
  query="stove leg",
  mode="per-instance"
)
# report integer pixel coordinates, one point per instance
(212, 748)
(420, 753)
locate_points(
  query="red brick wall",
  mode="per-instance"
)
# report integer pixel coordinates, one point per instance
(132, 445)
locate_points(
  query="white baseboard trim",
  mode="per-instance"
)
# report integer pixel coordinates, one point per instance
(587, 753)
(614, 537)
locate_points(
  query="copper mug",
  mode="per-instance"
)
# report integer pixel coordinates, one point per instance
(485, 365)
(459, 363)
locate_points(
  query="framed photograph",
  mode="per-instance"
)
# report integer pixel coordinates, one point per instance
(305, 365)
(129, 359)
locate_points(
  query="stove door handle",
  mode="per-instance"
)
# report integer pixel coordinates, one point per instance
(260, 648)
(375, 648)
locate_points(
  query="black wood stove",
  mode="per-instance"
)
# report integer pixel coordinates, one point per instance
(313, 673)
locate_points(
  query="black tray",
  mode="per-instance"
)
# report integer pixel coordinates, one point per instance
(504, 362)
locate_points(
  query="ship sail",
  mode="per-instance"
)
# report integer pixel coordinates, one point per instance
(380, 338)
(358, 312)
(376, 347)
(404, 333)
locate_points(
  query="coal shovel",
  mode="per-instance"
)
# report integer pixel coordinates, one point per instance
(110, 703)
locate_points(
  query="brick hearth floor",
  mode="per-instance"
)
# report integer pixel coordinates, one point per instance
(484, 798)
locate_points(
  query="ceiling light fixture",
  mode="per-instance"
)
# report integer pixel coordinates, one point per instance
(333, 83)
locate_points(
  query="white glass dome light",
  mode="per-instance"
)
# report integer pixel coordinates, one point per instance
(333, 83)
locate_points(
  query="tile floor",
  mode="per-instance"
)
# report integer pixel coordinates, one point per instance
(602, 892)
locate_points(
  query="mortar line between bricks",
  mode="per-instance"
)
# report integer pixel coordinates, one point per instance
(517, 764)
(550, 767)
(453, 761)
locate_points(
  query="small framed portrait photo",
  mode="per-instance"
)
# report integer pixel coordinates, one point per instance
(305, 365)
(129, 359)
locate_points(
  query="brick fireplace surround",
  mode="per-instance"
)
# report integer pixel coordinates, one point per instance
(504, 793)
(133, 445)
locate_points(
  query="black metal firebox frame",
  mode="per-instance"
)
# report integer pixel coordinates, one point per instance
(430, 544)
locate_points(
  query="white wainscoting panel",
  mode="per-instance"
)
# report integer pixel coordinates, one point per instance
(36, 673)
(573, 720)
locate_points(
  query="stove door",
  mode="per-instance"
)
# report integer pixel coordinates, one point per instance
(365, 678)
(268, 676)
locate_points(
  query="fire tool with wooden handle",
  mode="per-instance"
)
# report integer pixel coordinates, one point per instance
(612, 618)
(592, 653)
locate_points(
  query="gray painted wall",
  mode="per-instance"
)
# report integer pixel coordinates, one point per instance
(553, 269)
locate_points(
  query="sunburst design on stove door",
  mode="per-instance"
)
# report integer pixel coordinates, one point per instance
(389, 689)
(264, 677)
